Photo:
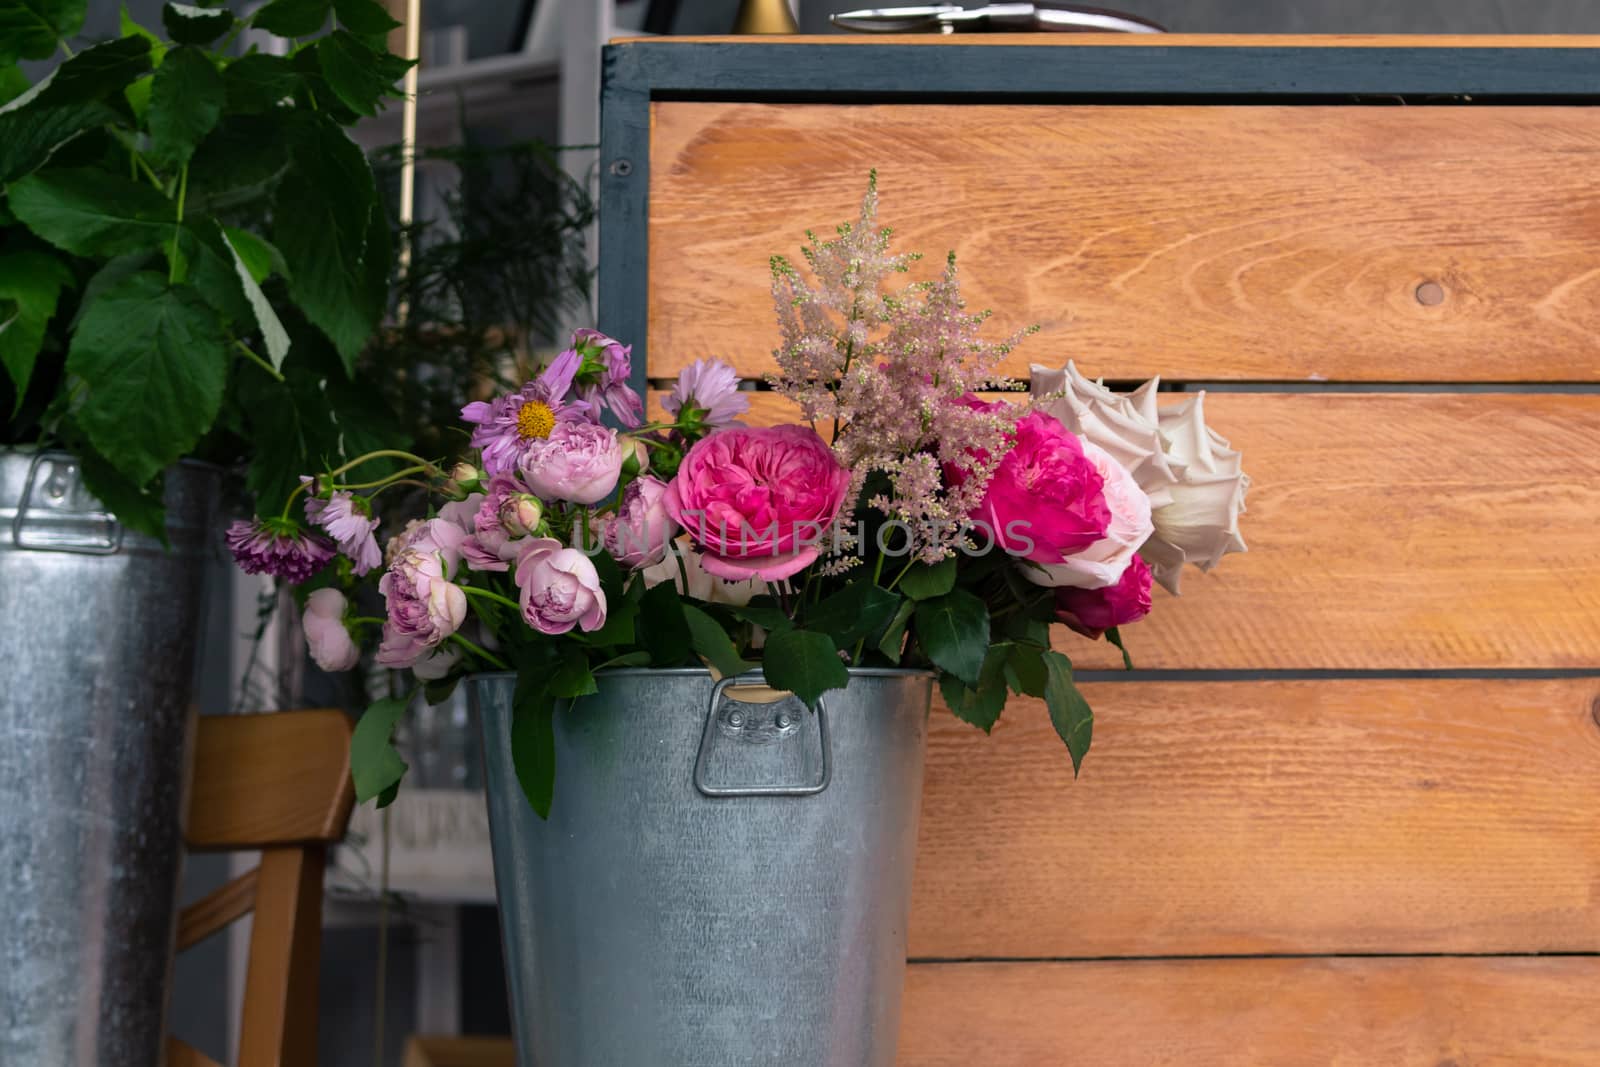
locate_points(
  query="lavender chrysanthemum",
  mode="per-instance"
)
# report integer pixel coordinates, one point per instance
(506, 427)
(278, 547)
(711, 387)
(346, 518)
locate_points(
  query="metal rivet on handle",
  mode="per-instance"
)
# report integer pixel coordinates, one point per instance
(736, 719)
(784, 722)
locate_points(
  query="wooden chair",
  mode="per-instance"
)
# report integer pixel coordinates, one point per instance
(279, 783)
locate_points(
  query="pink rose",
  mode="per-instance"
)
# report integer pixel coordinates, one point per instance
(1103, 563)
(491, 547)
(579, 461)
(638, 534)
(758, 500)
(424, 606)
(1046, 501)
(326, 635)
(558, 588)
(1091, 612)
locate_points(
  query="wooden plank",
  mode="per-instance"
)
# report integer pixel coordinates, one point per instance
(1224, 1013)
(460, 1052)
(1166, 40)
(273, 779)
(1202, 243)
(217, 909)
(1389, 532)
(1225, 818)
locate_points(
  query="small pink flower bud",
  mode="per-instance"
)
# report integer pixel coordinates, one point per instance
(521, 514)
(636, 458)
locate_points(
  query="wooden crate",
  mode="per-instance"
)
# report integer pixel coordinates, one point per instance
(1345, 812)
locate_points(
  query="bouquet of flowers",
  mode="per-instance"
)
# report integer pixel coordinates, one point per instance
(906, 520)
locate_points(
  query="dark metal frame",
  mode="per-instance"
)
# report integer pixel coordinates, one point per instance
(637, 73)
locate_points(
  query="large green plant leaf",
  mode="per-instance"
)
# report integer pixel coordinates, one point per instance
(320, 225)
(206, 262)
(364, 17)
(662, 627)
(859, 610)
(29, 138)
(293, 18)
(712, 643)
(32, 29)
(375, 765)
(185, 103)
(953, 630)
(360, 76)
(980, 706)
(533, 739)
(258, 82)
(237, 164)
(1070, 714)
(138, 507)
(91, 213)
(153, 358)
(30, 283)
(76, 96)
(273, 336)
(195, 25)
(804, 663)
(925, 581)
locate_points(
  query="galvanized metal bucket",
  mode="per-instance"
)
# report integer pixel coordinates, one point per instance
(722, 882)
(98, 628)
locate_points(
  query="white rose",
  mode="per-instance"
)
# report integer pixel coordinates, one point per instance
(1201, 523)
(1191, 475)
(702, 586)
(1102, 563)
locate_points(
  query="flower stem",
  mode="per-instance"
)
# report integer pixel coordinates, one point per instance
(379, 482)
(489, 594)
(263, 364)
(481, 653)
(177, 226)
(366, 619)
(383, 453)
(896, 579)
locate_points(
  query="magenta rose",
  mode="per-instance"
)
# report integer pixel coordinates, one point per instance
(638, 534)
(579, 461)
(1046, 500)
(424, 606)
(758, 500)
(1091, 612)
(558, 588)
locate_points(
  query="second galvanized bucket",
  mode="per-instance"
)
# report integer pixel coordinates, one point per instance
(724, 878)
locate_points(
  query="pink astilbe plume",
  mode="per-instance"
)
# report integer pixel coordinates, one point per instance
(897, 371)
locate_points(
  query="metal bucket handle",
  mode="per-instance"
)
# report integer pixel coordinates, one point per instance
(107, 545)
(707, 789)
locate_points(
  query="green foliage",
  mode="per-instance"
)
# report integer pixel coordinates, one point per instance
(1069, 712)
(533, 740)
(174, 218)
(662, 627)
(375, 765)
(804, 663)
(712, 643)
(855, 612)
(924, 582)
(954, 631)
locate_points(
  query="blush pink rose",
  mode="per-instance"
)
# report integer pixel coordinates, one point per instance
(1091, 612)
(1046, 501)
(1103, 563)
(491, 545)
(558, 588)
(638, 534)
(326, 634)
(580, 461)
(758, 500)
(424, 606)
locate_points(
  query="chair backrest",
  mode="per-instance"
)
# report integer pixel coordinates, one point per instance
(279, 783)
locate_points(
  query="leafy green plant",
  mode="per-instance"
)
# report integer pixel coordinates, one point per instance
(193, 252)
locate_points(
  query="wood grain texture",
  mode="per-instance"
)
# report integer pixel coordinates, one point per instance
(262, 780)
(279, 1024)
(1225, 818)
(181, 1054)
(217, 909)
(460, 1052)
(1389, 531)
(1255, 1013)
(1199, 243)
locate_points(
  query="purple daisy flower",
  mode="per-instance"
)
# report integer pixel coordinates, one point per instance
(710, 387)
(603, 377)
(507, 426)
(277, 547)
(346, 518)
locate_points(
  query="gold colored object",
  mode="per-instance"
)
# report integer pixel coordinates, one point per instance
(765, 16)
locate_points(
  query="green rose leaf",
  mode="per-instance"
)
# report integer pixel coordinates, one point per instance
(152, 355)
(292, 18)
(375, 765)
(91, 213)
(358, 75)
(892, 643)
(273, 335)
(712, 643)
(1025, 670)
(30, 283)
(1114, 635)
(257, 83)
(320, 224)
(764, 612)
(185, 103)
(138, 507)
(1070, 714)
(32, 29)
(954, 631)
(662, 626)
(924, 581)
(804, 663)
(573, 676)
(364, 17)
(855, 612)
(533, 740)
(195, 25)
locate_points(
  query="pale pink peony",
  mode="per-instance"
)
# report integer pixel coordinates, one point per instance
(1102, 563)
(579, 462)
(1046, 500)
(638, 534)
(424, 606)
(1091, 612)
(758, 501)
(558, 588)
(491, 545)
(326, 635)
